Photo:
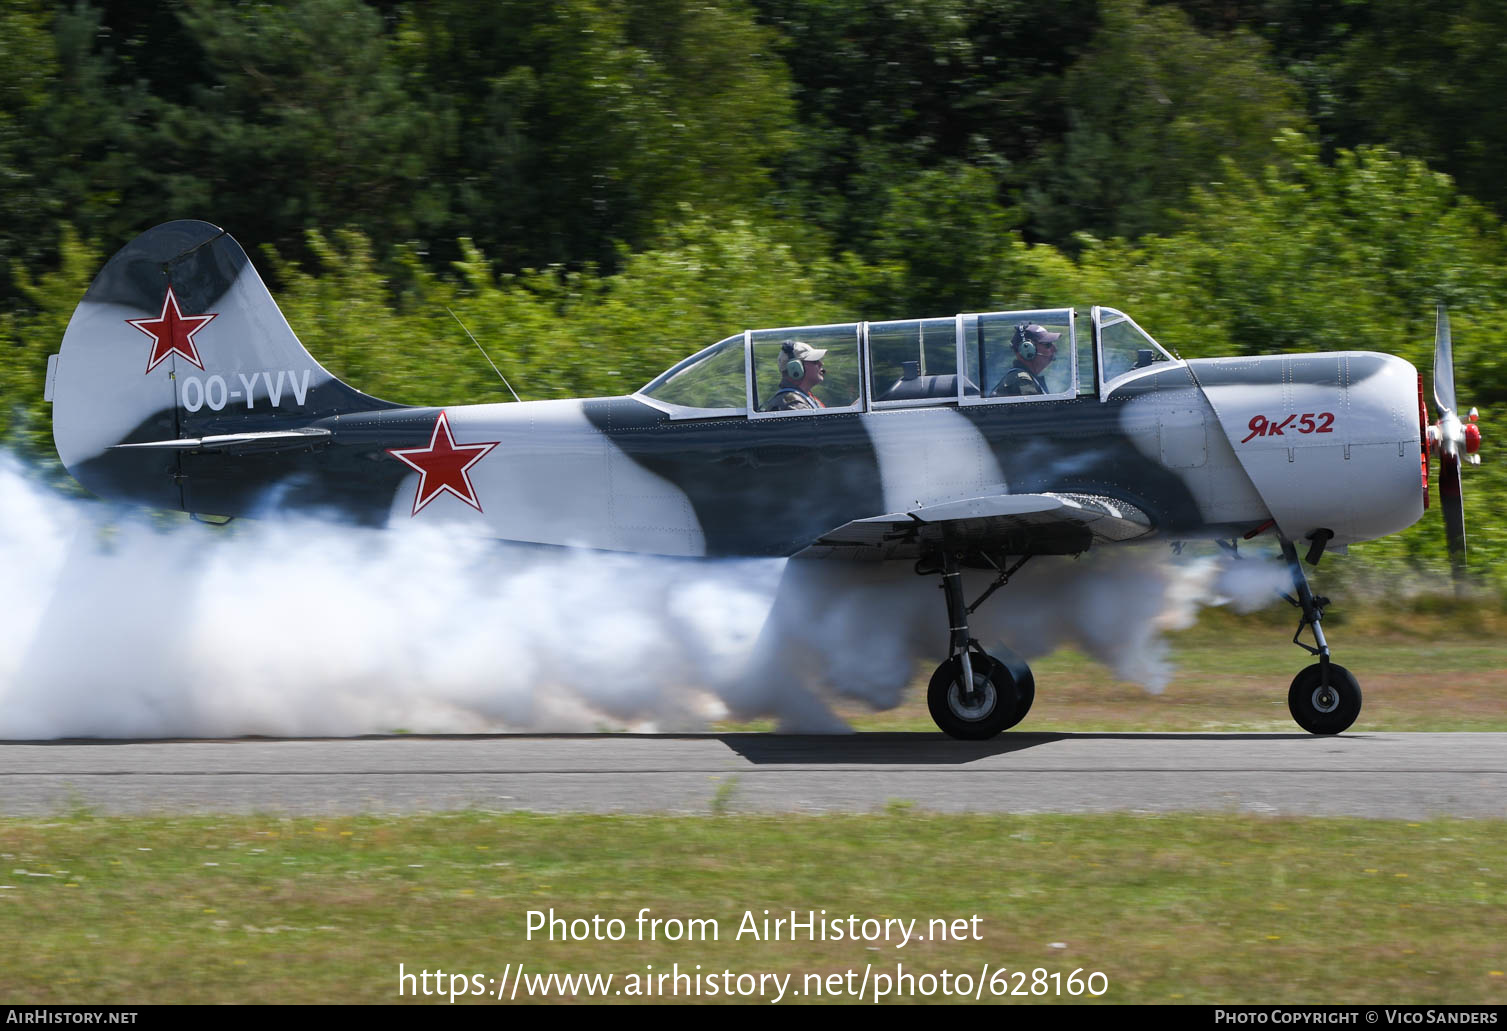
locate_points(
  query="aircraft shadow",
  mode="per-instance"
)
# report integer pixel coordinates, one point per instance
(919, 748)
(875, 748)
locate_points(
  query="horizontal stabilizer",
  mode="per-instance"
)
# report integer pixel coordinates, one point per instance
(239, 443)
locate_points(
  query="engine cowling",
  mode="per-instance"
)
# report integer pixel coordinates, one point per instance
(1330, 440)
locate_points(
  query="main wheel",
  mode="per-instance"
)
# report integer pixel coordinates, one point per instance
(1000, 697)
(1324, 710)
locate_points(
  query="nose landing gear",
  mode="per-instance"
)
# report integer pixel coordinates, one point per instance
(975, 695)
(1324, 698)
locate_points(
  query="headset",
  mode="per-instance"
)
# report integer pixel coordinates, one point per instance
(1024, 345)
(795, 369)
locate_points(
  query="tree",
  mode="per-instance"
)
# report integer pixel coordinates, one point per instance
(945, 245)
(27, 61)
(582, 125)
(304, 118)
(28, 336)
(1154, 108)
(886, 92)
(1424, 77)
(1428, 77)
(68, 130)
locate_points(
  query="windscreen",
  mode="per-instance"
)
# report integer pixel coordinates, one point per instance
(712, 378)
(1124, 346)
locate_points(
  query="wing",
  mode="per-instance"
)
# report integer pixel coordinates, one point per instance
(1014, 524)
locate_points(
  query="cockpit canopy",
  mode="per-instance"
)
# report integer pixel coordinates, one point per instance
(862, 366)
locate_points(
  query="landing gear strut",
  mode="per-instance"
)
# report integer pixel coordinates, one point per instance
(975, 695)
(1324, 698)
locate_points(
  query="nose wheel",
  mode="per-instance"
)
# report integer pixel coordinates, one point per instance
(1324, 697)
(1321, 707)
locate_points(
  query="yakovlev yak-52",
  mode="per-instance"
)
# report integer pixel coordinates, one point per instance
(932, 444)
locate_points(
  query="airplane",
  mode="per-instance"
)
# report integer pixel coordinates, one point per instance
(926, 445)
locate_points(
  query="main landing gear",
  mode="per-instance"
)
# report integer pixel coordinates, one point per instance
(1324, 698)
(975, 695)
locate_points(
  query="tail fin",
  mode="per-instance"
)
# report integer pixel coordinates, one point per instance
(177, 346)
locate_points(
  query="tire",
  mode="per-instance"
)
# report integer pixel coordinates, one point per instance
(1320, 714)
(1002, 698)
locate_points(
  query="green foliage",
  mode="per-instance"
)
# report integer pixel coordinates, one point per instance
(551, 133)
(1425, 76)
(583, 124)
(1153, 109)
(305, 116)
(27, 338)
(944, 246)
(1354, 255)
(707, 282)
(1428, 76)
(553, 332)
(887, 90)
(68, 133)
(26, 62)
(346, 318)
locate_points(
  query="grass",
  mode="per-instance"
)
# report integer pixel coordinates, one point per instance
(1217, 908)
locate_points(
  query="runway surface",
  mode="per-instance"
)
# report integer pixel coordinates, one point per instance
(1409, 776)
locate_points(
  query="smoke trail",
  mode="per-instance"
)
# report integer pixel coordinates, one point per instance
(112, 626)
(863, 630)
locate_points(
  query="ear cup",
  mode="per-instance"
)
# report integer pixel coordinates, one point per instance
(1024, 345)
(794, 368)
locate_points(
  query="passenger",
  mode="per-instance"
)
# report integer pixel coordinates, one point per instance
(801, 371)
(1035, 348)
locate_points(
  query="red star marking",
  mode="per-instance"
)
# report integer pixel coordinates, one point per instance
(442, 466)
(172, 332)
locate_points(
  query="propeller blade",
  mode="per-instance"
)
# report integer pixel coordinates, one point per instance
(1444, 364)
(1452, 501)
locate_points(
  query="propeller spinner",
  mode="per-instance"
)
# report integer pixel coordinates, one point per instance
(1455, 441)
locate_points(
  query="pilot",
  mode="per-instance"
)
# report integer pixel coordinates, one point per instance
(1034, 347)
(801, 370)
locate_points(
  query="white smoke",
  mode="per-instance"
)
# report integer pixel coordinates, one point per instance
(863, 629)
(113, 626)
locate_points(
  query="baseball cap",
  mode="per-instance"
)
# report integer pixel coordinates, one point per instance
(1034, 333)
(802, 351)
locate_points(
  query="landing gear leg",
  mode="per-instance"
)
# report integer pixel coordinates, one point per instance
(1324, 698)
(974, 695)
